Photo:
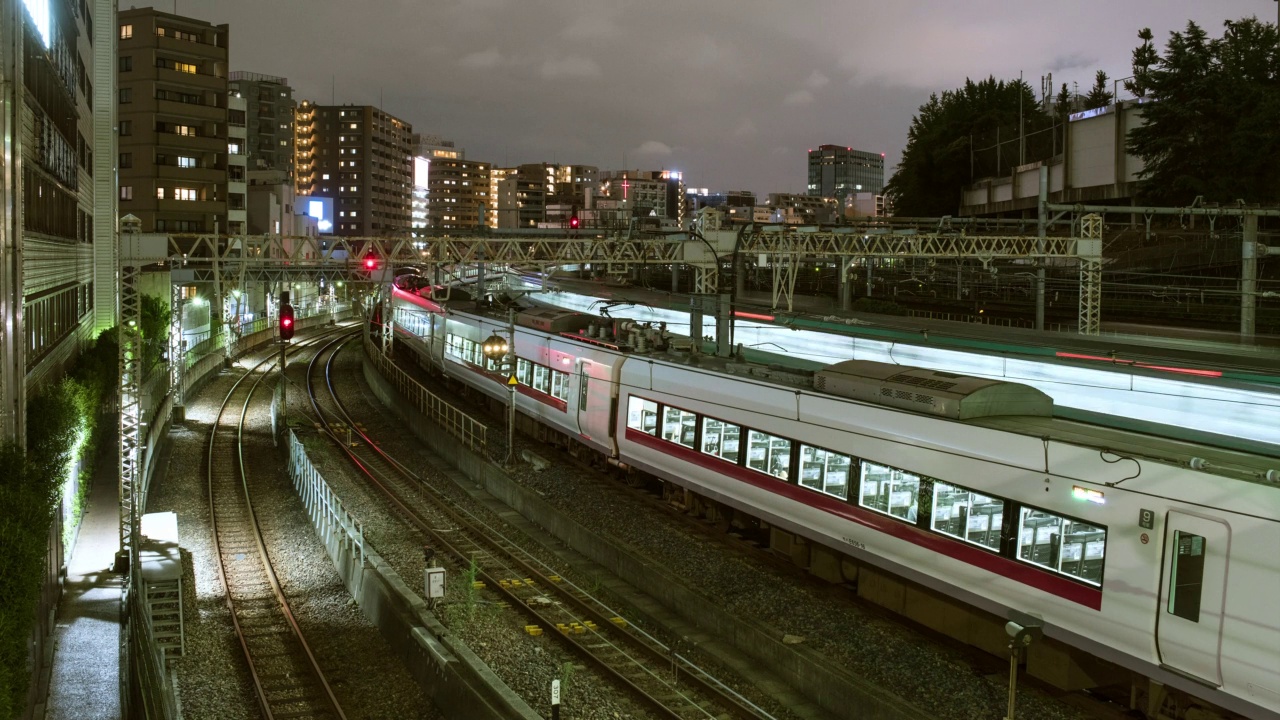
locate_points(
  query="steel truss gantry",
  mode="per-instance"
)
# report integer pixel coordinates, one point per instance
(783, 248)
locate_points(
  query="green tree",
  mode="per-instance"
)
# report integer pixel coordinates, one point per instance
(1064, 104)
(1099, 96)
(1210, 130)
(935, 162)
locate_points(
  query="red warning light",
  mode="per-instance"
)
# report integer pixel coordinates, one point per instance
(574, 222)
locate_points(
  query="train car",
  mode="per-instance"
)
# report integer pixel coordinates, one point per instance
(1155, 555)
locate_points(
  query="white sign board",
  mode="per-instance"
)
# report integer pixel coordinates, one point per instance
(555, 692)
(435, 583)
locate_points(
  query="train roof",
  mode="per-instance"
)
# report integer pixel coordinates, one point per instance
(1001, 405)
(959, 397)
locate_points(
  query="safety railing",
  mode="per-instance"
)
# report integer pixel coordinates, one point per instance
(967, 318)
(472, 433)
(151, 695)
(327, 512)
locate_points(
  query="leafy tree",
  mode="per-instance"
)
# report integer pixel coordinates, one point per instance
(935, 162)
(1210, 130)
(1099, 96)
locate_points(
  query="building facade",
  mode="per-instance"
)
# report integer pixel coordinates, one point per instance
(270, 117)
(836, 171)
(57, 174)
(361, 158)
(429, 148)
(237, 164)
(173, 122)
(458, 194)
(653, 194)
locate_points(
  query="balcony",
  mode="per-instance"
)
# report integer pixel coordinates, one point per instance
(215, 207)
(191, 48)
(191, 175)
(188, 111)
(207, 82)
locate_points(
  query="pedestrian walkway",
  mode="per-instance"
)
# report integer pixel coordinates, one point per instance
(84, 683)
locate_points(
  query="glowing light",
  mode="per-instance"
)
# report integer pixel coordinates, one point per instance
(39, 10)
(1093, 496)
(752, 316)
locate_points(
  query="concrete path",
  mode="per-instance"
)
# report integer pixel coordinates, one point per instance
(85, 680)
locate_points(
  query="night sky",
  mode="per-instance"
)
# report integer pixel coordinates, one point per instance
(732, 92)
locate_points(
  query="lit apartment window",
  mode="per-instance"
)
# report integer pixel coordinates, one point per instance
(184, 194)
(159, 193)
(186, 162)
(126, 32)
(126, 192)
(324, 176)
(185, 68)
(233, 148)
(186, 130)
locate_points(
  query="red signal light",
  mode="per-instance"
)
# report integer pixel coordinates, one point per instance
(574, 222)
(370, 262)
(286, 322)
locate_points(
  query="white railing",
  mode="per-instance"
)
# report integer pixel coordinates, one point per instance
(472, 432)
(327, 511)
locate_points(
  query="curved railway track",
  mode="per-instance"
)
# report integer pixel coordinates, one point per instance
(655, 673)
(288, 680)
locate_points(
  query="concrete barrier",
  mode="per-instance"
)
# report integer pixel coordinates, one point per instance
(460, 684)
(840, 693)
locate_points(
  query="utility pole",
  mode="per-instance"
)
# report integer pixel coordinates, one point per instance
(1041, 226)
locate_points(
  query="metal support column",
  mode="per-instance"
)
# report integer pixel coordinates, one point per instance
(846, 284)
(1089, 250)
(785, 271)
(705, 280)
(695, 322)
(177, 351)
(724, 326)
(675, 277)
(1249, 278)
(130, 364)
(1041, 226)
(388, 320)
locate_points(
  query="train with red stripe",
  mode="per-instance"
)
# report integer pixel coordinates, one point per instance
(1155, 555)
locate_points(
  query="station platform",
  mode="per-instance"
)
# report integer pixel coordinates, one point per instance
(84, 682)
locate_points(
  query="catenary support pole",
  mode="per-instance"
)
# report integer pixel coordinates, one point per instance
(1249, 278)
(1041, 226)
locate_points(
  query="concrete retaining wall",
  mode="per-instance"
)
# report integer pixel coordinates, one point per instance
(460, 684)
(839, 693)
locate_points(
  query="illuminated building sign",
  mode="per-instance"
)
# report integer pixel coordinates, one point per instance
(320, 208)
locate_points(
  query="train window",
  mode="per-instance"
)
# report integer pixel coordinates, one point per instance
(1187, 575)
(560, 385)
(453, 345)
(1061, 544)
(542, 378)
(825, 471)
(642, 415)
(721, 439)
(768, 453)
(967, 515)
(679, 426)
(524, 372)
(889, 490)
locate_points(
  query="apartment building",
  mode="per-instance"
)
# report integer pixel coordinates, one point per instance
(269, 119)
(173, 121)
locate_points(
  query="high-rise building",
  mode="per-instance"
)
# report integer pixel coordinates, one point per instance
(522, 198)
(172, 115)
(457, 194)
(270, 118)
(237, 165)
(648, 193)
(361, 159)
(496, 176)
(836, 171)
(429, 148)
(57, 178)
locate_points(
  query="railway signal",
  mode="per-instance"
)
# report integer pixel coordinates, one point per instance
(370, 262)
(286, 322)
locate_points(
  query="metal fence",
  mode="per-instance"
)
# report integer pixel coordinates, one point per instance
(326, 510)
(150, 693)
(470, 431)
(967, 318)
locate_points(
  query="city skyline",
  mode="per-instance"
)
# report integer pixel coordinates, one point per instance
(616, 86)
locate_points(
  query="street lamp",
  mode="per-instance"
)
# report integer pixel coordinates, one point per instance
(501, 353)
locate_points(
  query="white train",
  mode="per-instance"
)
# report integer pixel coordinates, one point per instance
(1153, 554)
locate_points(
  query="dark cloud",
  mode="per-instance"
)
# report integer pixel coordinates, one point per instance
(730, 91)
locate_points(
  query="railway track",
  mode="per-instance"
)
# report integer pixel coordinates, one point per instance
(288, 680)
(653, 672)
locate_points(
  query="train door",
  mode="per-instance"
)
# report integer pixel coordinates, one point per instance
(1193, 595)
